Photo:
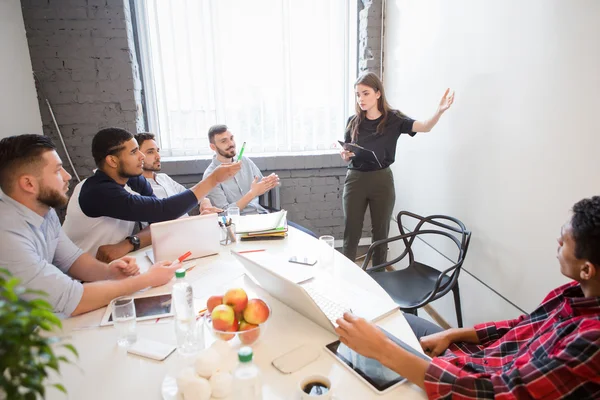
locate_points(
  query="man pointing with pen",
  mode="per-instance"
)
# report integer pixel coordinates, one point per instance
(246, 186)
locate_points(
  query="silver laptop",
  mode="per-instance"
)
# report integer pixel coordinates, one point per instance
(305, 298)
(199, 234)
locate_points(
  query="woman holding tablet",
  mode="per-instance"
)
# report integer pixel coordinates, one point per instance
(374, 130)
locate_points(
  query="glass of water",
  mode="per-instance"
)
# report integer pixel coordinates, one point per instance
(326, 250)
(123, 313)
(234, 214)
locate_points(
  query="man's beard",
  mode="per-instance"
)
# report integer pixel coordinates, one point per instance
(225, 153)
(125, 174)
(52, 198)
(152, 168)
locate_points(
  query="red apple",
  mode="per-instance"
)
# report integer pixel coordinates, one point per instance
(256, 312)
(223, 318)
(229, 336)
(236, 299)
(249, 337)
(213, 301)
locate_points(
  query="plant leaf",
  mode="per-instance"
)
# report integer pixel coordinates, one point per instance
(60, 387)
(72, 348)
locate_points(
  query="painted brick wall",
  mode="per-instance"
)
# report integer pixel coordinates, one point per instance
(83, 56)
(369, 35)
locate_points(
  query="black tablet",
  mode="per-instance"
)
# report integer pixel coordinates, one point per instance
(379, 377)
(149, 307)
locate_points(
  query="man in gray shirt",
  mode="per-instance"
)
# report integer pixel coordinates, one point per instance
(246, 186)
(33, 246)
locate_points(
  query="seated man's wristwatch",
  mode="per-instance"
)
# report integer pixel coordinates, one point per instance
(135, 241)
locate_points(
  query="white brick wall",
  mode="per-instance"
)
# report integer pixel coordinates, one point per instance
(83, 54)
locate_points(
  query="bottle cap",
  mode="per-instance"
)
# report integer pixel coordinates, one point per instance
(180, 273)
(245, 354)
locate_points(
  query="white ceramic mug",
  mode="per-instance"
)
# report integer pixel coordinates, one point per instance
(305, 384)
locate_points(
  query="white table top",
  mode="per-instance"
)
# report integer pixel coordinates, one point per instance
(105, 371)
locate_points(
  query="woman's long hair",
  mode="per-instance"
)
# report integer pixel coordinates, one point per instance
(371, 80)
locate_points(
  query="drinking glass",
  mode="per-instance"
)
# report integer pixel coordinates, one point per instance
(326, 250)
(123, 313)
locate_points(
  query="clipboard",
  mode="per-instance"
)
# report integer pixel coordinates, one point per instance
(361, 152)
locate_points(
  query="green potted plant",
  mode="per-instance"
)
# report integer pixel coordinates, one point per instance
(26, 342)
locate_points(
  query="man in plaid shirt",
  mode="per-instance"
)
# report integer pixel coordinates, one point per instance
(552, 353)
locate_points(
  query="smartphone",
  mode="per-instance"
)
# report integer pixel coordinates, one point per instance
(151, 349)
(296, 359)
(303, 260)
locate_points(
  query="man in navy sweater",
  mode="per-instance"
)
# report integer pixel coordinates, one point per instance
(104, 208)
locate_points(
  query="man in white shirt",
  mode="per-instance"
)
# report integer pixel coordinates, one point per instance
(35, 249)
(162, 184)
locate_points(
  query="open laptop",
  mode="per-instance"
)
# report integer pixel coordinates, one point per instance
(199, 234)
(312, 299)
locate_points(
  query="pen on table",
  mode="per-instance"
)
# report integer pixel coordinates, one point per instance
(250, 251)
(201, 313)
(182, 257)
(241, 152)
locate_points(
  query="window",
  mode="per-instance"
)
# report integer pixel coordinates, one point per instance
(279, 73)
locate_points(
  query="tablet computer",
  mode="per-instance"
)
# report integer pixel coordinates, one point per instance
(378, 377)
(361, 152)
(147, 307)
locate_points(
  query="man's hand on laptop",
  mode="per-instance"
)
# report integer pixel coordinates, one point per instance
(123, 268)
(225, 171)
(361, 336)
(162, 272)
(267, 183)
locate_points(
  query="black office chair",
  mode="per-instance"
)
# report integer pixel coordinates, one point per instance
(419, 284)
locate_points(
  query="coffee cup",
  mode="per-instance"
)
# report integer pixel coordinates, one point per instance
(315, 387)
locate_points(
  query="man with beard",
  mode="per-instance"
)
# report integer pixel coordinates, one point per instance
(162, 184)
(242, 191)
(34, 248)
(106, 206)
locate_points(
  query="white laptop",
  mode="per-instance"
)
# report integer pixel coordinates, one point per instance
(310, 299)
(199, 234)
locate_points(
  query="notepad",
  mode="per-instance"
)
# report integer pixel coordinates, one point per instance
(261, 222)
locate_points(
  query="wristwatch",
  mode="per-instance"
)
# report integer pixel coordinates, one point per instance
(135, 241)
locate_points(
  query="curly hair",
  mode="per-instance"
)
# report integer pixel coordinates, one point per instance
(585, 225)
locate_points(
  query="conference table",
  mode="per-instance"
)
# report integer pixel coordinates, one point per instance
(106, 371)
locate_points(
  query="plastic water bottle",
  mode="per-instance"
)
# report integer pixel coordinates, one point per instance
(185, 319)
(247, 384)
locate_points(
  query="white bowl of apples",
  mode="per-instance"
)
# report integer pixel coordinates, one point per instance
(234, 315)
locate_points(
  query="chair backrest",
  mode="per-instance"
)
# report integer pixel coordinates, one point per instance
(449, 224)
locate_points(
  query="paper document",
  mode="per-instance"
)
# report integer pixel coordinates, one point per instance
(261, 222)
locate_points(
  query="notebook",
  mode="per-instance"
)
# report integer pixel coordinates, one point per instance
(262, 223)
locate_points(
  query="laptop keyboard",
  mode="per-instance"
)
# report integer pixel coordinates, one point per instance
(333, 309)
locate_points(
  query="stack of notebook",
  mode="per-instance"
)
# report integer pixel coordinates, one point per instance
(263, 226)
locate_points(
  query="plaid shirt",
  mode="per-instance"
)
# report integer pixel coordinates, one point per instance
(552, 353)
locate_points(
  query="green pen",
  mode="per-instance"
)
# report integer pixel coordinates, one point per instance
(242, 152)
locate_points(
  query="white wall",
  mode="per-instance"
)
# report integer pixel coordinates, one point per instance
(520, 145)
(19, 110)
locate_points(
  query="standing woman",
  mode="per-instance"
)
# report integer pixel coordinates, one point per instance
(377, 127)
